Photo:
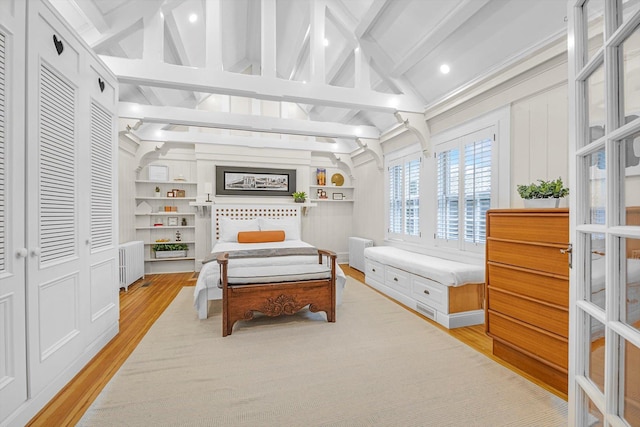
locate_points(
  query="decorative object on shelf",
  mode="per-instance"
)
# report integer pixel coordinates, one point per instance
(171, 209)
(179, 178)
(143, 208)
(323, 194)
(157, 191)
(241, 181)
(337, 179)
(170, 250)
(338, 196)
(299, 196)
(158, 173)
(321, 176)
(208, 190)
(184, 222)
(172, 221)
(178, 236)
(546, 194)
(170, 194)
(158, 222)
(179, 193)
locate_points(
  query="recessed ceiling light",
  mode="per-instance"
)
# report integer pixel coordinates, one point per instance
(444, 69)
(193, 18)
(326, 42)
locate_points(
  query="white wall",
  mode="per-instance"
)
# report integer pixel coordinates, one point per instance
(126, 189)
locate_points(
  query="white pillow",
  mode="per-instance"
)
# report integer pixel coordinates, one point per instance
(289, 225)
(228, 228)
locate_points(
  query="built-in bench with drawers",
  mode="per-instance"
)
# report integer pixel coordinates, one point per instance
(449, 292)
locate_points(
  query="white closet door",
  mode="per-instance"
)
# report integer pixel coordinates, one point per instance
(13, 368)
(57, 265)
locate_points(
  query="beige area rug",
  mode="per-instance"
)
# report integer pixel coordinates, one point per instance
(378, 365)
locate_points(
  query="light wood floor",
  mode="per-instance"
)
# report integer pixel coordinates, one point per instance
(140, 307)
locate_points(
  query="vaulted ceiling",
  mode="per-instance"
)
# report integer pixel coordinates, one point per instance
(326, 70)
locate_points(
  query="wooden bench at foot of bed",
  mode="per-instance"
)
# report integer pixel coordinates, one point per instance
(277, 290)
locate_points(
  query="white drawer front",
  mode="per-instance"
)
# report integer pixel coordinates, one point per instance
(431, 293)
(374, 270)
(398, 280)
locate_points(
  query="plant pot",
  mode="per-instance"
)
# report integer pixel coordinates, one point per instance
(298, 200)
(171, 254)
(550, 202)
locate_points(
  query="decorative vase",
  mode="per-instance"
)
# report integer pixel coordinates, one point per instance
(298, 200)
(551, 202)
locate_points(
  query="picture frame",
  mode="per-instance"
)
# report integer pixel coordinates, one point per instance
(159, 173)
(338, 196)
(170, 193)
(172, 221)
(260, 182)
(179, 193)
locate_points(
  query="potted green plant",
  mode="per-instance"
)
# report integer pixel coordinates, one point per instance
(157, 191)
(543, 194)
(170, 250)
(299, 196)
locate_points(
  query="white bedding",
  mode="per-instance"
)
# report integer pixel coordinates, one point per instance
(207, 284)
(444, 271)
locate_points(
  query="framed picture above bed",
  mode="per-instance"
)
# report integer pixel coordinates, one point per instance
(261, 182)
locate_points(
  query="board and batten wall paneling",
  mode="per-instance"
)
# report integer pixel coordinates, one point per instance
(126, 190)
(539, 136)
(369, 207)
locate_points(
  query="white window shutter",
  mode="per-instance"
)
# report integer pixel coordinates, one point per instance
(412, 197)
(477, 189)
(395, 199)
(101, 178)
(57, 167)
(3, 183)
(448, 164)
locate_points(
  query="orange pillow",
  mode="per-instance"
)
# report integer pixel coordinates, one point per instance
(261, 236)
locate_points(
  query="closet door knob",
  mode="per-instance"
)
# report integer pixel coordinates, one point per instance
(22, 253)
(88, 242)
(35, 252)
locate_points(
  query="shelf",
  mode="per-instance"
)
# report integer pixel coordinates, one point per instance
(141, 181)
(165, 213)
(188, 258)
(161, 227)
(331, 200)
(164, 198)
(187, 242)
(334, 187)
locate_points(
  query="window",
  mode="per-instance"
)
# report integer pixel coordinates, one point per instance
(464, 187)
(404, 196)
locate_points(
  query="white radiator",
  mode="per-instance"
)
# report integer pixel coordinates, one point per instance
(131, 262)
(356, 252)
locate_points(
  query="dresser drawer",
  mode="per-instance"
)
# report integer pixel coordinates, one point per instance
(545, 317)
(529, 284)
(543, 258)
(397, 279)
(534, 227)
(374, 270)
(431, 293)
(543, 344)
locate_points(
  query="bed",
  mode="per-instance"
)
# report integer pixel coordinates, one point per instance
(229, 220)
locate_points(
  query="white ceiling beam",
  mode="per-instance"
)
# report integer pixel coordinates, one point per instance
(300, 52)
(245, 122)
(93, 13)
(153, 38)
(317, 20)
(139, 72)
(340, 146)
(176, 43)
(214, 35)
(268, 40)
(447, 26)
(362, 75)
(117, 33)
(370, 17)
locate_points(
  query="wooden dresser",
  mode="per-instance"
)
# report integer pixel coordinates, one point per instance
(527, 279)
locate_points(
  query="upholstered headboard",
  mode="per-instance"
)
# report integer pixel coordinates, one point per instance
(250, 212)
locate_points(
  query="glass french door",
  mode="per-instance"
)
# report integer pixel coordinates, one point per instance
(604, 88)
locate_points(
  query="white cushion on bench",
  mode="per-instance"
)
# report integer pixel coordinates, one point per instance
(447, 272)
(277, 273)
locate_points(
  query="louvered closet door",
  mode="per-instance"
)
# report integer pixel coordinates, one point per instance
(13, 369)
(57, 264)
(102, 241)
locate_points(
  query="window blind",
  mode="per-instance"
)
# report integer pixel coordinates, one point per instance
(477, 189)
(395, 199)
(2, 153)
(412, 197)
(448, 164)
